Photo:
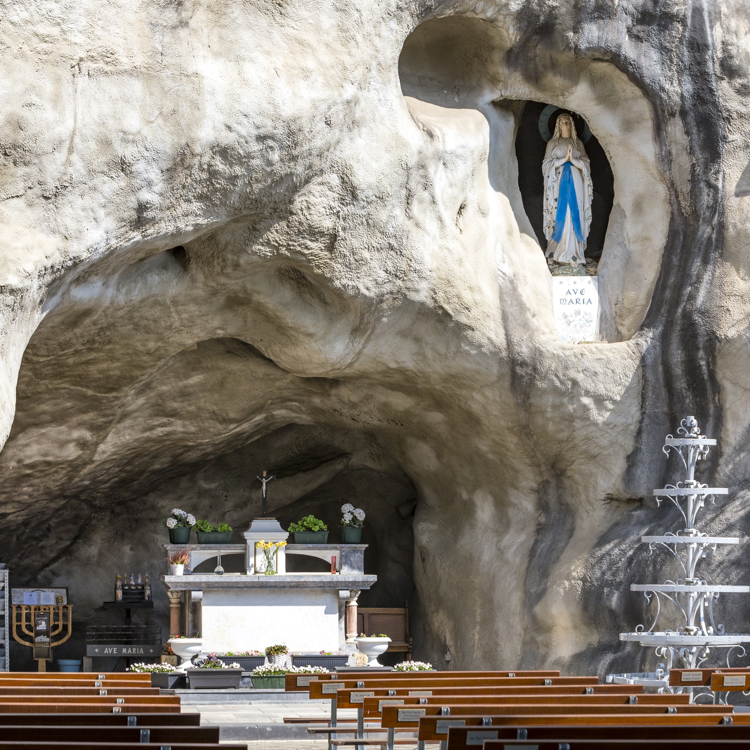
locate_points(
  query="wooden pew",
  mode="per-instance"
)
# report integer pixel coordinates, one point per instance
(96, 712)
(112, 746)
(395, 717)
(54, 677)
(328, 688)
(373, 706)
(297, 683)
(699, 677)
(165, 735)
(472, 737)
(101, 719)
(738, 681)
(666, 744)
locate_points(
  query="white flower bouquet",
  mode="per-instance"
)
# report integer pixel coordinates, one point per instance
(179, 518)
(351, 516)
(157, 668)
(413, 666)
(273, 670)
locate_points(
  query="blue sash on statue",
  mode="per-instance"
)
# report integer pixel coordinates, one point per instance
(567, 198)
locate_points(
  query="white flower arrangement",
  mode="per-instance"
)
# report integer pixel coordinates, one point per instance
(179, 518)
(157, 668)
(413, 666)
(212, 661)
(352, 516)
(270, 670)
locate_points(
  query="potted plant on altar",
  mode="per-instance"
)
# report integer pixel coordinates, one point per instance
(211, 672)
(326, 659)
(248, 660)
(179, 525)
(277, 655)
(372, 646)
(209, 533)
(162, 675)
(309, 530)
(178, 559)
(270, 677)
(352, 521)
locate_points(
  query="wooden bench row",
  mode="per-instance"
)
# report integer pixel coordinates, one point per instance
(434, 704)
(96, 712)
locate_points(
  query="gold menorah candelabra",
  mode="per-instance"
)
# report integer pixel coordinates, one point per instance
(43, 623)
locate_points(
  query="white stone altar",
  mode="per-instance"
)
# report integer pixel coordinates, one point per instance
(575, 303)
(242, 612)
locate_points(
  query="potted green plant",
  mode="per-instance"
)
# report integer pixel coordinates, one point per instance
(352, 521)
(309, 530)
(209, 533)
(179, 524)
(211, 672)
(162, 675)
(270, 677)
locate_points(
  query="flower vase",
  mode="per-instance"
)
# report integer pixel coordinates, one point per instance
(179, 535)
(351, 534)
(270, 563)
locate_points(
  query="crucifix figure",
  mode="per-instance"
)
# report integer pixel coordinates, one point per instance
(264, 480)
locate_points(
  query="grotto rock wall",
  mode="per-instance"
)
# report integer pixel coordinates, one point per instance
(289, 235)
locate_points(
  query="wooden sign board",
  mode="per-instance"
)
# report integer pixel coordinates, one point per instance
(103, 649)
(31, 596)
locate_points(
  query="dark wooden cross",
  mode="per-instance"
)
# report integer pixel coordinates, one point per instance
(264, 480)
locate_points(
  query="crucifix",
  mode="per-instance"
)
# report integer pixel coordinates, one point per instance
(264, 480)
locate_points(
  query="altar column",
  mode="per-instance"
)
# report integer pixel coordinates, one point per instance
(175, 612)
(351, 616)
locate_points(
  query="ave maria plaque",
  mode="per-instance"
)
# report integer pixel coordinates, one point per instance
(103, 649)
(575, 302)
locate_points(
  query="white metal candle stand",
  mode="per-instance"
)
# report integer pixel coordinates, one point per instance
(689, 644)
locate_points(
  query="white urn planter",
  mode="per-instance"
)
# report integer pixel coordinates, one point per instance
(176, 570)
(186, 649)
(372, 648)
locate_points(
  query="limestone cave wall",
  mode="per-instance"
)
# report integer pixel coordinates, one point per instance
(290, 235)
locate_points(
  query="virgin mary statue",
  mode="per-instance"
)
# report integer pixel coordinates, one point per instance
(567, 194)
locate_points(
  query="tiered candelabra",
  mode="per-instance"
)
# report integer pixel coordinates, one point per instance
(689, 644)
